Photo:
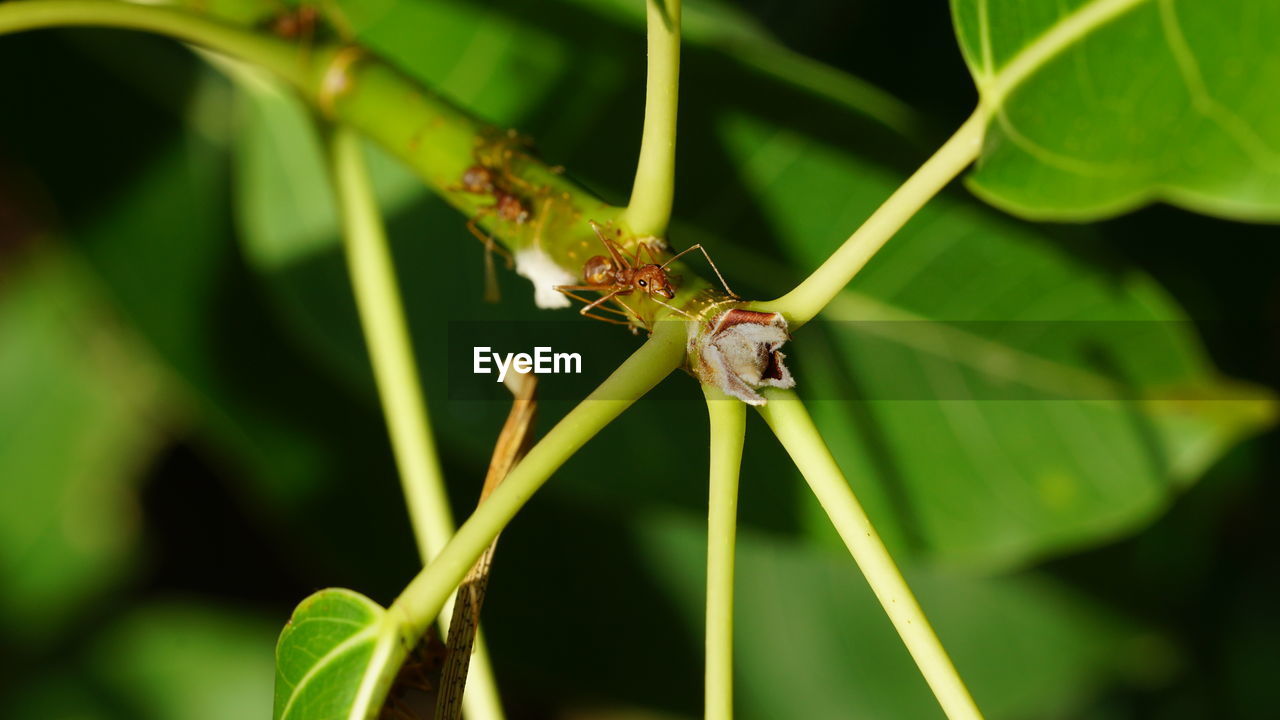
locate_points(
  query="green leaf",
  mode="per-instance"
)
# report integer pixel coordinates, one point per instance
(82, 416)
(337, 658)
(992, 397)
(989, 482)
(812, 641)
(158, 660)
(285, 213)
(1100, 106)
(182, 660)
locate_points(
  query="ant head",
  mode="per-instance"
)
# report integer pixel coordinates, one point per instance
(652, 280)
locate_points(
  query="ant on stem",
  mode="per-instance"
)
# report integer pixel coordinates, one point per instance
(481, 180)
(618, 276)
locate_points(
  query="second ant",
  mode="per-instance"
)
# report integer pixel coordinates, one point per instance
(618, 276)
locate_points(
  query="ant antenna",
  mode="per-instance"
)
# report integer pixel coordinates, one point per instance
(709, 262)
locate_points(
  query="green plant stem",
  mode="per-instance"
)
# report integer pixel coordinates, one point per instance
(433, 137)
(426, 594)
(395, 371)
(377, 294)
(808, 298)
(267, 52)
(649, 210)
(728, 430)
(790, 422)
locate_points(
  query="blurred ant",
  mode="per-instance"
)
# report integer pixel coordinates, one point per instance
(507, 206)
(618, 276)
(295, 23)
(309, 18)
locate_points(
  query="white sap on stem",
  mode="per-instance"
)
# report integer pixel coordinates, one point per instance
(541, 270)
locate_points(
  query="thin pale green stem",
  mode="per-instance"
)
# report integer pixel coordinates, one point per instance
(728, 430)
(270, 53)
(651, 196)
(395, 372)
(790, 422)
(426, 594)
(809, 297)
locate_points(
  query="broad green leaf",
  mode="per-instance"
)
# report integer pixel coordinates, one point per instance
(336, 659)
(82, 414)
(1010, 473)
(998, 397)
(286, 218)
(812, 641)
(1099, 106)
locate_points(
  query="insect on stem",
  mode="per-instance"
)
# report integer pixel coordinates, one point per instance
(618, 276)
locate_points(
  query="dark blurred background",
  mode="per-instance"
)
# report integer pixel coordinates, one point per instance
(190, 443)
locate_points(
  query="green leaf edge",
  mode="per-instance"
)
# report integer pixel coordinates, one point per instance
(390, 648)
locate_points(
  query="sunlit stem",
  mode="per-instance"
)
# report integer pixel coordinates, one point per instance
(260, 50)
(651, 196)
(790, 422)
(809, 297)
(426, 594)
(377, 294)
(728, 428)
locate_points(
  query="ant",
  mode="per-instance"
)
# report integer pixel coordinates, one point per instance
(617, 276)
(305, 21)
(481, 180)
(296, 23)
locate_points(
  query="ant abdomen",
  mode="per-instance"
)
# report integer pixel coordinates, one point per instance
(598, 270)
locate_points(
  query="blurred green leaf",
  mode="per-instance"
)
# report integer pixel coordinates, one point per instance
(811, 640)
(186, 661)
(336, 658)
(83, 413)
(990, 395)
(60, 694)
(1160, 100)
(160, 660)
(286, 217)
(279, 422)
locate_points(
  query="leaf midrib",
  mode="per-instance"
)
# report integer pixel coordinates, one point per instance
(1063, 34)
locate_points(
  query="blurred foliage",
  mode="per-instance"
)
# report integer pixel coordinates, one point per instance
(83, 412)
(185, 327)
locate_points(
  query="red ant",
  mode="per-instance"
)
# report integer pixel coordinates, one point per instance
(617, 276)
(507, 206)
(307, 20)
(296, 23)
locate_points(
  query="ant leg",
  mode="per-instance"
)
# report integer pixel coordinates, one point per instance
(490, 245)
(605, 318)
(507, 155)
(491, 292)
(710, 262)
(565, 289)
(619, 260)
(585, 311)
